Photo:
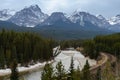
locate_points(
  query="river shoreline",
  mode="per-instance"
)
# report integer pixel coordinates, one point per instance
(5, 73)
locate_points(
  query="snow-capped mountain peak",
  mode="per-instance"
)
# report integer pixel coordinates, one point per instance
(56, 17)
(114, 20)
(100, 17)
(29, 16)
(83, 17)
(5, 14)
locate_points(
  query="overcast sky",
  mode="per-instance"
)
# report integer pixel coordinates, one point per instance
(107, 8)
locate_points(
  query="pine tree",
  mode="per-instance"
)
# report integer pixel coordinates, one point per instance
(14, 71)
(2, 58)
(13, 50)
(86, 72)
(24, 47)
(77, 74)
(98, 75)
(71, 69)
(60, 71)
(47, 73)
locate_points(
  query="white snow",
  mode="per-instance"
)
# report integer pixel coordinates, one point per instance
(21, 69)
(61, 56)
(112, 23)
(79, 59)
(33, 76)
(6, 14)
(114, 20)
(5, 18)
(64, 56)
(34, 16)
(56, 50)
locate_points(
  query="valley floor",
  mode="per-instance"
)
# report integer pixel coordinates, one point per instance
(65, 57)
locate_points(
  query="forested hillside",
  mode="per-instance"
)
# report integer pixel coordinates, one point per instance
(24, 47)
(109, 44)
(92, 47)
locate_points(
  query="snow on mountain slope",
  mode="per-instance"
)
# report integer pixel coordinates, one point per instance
(29, 16)
(81, 17)
(114, 20)
(104, 21)
(115, 23)
(56, 17)
(33, 16)
(5, 14)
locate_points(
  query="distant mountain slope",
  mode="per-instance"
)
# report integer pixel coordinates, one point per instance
(59, 27)
(58, 20)
(32, 16)
(5, 14)
(6, 24)
(114, 20)
(82, 17)
(56, 32)
(115, 23)
(11, 26)
(29, 16)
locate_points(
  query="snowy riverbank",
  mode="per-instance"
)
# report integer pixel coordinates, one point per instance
(31, 68)
(34, 71)
(78, 58)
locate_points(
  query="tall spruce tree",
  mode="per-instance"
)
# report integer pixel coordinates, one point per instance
(60, 71)
(24, 46)
(47, 73)
(2, 58)
(77, 74)
(14, 71)
(71, 69)
(86, 72)
(98, 75)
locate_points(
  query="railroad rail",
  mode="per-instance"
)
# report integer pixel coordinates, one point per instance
(106, 57)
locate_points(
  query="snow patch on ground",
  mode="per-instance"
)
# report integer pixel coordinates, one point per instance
(79, 59)
(21, 69)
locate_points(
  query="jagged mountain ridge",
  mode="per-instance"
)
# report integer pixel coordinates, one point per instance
(115, 23)
(82, 17)
(56, 18)
(32, 16)
(80, 20)
(29, 16)
(6, 14)
(114, 20)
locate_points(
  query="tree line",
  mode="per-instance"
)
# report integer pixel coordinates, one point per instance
(70, 43)
(92, 47)
(59, 72)
(109, 44)
(24, 47)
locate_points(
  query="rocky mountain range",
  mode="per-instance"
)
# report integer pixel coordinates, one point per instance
(32, 16)
(6, 14)
(29, 16)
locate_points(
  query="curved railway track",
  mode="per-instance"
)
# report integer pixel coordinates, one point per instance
(106, 57)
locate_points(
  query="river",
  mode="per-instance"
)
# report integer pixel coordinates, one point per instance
(36, 75)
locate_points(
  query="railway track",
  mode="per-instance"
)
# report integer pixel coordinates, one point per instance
(106, 57)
